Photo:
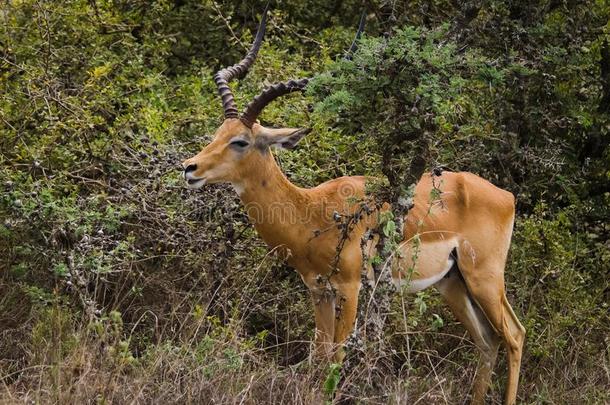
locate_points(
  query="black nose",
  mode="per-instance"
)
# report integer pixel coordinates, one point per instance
(190, 168)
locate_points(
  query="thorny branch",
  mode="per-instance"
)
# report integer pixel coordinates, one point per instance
(227, 24)
(604, 103)
(377, 289)
(346, 224)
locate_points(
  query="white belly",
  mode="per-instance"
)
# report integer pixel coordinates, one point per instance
(420, 267)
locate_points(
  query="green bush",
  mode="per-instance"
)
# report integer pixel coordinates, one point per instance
(118, 284)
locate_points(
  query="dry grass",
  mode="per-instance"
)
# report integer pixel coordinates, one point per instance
(68, 358)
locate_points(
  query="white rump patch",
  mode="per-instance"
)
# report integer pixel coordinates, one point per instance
(239, 188)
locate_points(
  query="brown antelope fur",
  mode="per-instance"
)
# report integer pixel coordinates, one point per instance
(463, 237)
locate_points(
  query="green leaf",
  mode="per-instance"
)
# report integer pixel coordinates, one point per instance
(389, 228)
(437, 322)
(332, 379)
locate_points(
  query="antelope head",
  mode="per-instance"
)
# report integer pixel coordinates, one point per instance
(241, 145)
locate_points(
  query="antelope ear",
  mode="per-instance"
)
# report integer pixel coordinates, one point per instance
(283, 138)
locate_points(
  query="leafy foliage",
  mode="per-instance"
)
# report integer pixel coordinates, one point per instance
(118, 284)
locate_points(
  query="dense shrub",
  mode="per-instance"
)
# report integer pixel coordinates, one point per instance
(118, 284)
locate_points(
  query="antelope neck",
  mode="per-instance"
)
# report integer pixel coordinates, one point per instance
(265, 184)
(274, 205)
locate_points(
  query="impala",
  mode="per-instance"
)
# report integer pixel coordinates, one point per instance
(463, 242)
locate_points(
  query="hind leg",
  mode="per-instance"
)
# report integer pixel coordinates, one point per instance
(324, 310)
(486, 286)
(514, 338)
(454, 291)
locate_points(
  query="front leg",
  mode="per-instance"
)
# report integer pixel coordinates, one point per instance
(346, 311)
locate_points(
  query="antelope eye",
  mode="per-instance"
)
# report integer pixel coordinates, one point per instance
(239, 144)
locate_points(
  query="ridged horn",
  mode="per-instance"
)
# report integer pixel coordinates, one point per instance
(256, 106)
(268, 95)
(238, 71)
